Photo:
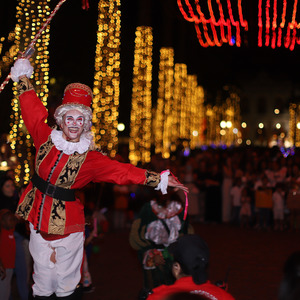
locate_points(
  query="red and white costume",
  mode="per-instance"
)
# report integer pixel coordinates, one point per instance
(57, 224)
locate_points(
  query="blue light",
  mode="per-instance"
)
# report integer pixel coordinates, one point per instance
(186, 152)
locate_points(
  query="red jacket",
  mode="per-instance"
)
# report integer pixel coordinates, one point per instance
(186, 284)
(74, 171)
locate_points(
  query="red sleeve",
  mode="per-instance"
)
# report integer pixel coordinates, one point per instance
(108, 170)
(34, 114)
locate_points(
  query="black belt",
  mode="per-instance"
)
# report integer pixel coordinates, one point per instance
(52, 190)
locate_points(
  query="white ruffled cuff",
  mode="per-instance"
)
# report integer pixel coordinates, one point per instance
(164, 180)
(21, 67)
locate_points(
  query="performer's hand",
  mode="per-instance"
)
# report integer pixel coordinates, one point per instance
(174, 183)
(21, 67)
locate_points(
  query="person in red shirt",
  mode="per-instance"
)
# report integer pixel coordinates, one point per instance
(66, 159)
(7, 251)
(190, 260)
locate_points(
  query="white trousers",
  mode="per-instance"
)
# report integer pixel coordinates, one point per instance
(63, 276)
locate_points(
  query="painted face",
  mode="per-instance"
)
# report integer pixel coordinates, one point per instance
(72, 125)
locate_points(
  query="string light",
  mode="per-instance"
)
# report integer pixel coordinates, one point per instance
(274, 25)
(196, 112)
(163, 118)
(286, 31)
(30, 18)
(221, 23)
(294, 119)
(8, 58)
(107, 76)
(140, 119)
(179, 98)
(267, 23)
(260, 24)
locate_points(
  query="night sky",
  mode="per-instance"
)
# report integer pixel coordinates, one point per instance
(73, 41)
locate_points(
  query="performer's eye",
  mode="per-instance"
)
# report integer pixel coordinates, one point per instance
(80, 120)
(69, 120)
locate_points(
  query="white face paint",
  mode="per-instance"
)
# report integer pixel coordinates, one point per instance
(72, 125)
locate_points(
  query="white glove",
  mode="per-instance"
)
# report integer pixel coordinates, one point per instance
(164, 180)
(21, 67)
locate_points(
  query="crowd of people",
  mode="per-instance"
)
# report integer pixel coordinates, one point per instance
(251, 187)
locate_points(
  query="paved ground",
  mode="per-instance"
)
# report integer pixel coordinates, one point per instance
(255, 260)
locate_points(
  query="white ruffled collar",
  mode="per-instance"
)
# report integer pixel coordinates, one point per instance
(68, 147)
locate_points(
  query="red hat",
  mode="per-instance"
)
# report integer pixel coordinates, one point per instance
(77, 93)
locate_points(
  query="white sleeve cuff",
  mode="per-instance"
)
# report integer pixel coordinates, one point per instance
(164, 180)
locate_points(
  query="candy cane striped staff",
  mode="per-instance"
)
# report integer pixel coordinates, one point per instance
(30, 49)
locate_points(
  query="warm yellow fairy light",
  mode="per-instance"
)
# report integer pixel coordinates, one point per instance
(107, 76)
(294, 119)
(197, 116)
(140, 118)
(8, 57)
(178, 111)
(163, 117)
(30, 17)
(229, 119)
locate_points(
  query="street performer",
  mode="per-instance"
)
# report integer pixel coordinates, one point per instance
(66, 160)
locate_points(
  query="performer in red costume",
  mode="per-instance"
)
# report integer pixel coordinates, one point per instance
(66, 160)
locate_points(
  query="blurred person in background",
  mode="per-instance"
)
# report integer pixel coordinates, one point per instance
(190, 260)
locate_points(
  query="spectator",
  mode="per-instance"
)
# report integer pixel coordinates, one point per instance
(226, 187)
(263, 203)
(8, 197)
(8, 200)
(159, 224)
(213, 200)
(236, 194)
(190, 260)
(278, 206)
(7, 251)
(289, 288)
(201, 174)
(90, 234)
(245, 212)
(121, 200)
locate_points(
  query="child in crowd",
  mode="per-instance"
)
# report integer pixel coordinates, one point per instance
(7, 251)
(160, 223)
(236, 193)
(245, 213)
(90, 235)
(278, 206)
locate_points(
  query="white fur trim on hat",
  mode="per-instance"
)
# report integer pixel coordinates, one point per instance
(21, 67)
